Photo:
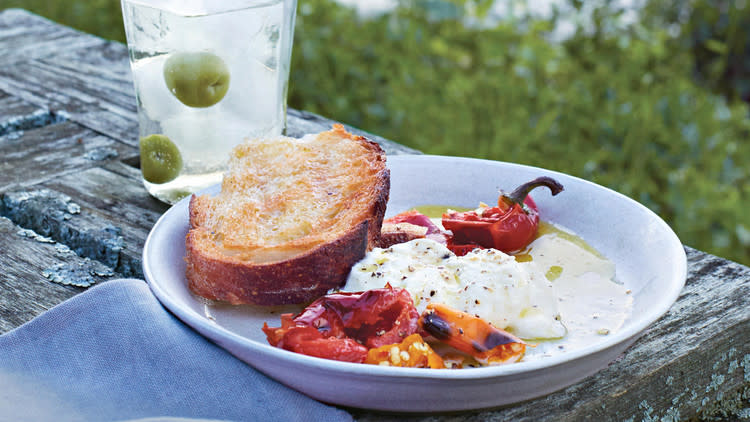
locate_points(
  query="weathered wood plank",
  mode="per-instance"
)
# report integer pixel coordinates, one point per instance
(129, 207)
(83, 77)
(35, 155)
(84, 212)
(109, 57)
(696, 355)
(25, 36)
(25, 260)
(18, 115)
(102, 101)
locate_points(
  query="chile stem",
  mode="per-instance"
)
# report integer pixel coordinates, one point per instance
(521, 192)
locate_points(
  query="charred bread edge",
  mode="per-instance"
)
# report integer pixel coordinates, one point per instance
(299, 279)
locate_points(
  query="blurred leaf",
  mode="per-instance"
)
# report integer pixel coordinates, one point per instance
(716, 46)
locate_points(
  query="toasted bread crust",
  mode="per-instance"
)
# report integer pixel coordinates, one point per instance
(226, 262)
(297, 280)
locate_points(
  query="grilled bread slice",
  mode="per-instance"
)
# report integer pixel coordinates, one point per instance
(292, 217)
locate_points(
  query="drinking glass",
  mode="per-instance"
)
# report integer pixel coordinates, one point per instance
(208, 75)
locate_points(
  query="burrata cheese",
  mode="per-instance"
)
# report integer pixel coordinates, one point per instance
(487, 283)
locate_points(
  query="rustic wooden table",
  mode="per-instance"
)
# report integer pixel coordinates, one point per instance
(73, 212)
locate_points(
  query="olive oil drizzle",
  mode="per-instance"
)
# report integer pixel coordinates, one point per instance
(437, 211)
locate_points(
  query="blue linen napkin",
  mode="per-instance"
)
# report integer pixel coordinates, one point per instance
(113, 353)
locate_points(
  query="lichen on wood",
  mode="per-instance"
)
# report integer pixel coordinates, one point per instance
(49, 213)
(101, 154)
(39, 118)
(79, 274)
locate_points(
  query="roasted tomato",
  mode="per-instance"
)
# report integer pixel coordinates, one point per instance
(309, 341)
(413, 352)
(373, 318)
(343, 326)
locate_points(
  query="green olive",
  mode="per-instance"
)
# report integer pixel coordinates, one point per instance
(197, 79)
(161, 161)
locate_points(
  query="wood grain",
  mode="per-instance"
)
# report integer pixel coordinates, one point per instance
(99, 100)
(17, 115)
(108, 225)
(35, 155)
(25, 36)
(129, 208)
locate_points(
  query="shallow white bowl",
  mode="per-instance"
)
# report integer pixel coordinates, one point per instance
(649, 258)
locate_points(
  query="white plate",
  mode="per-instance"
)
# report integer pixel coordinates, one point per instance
(649, 258)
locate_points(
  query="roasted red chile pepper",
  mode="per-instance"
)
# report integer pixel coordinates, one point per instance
(509, 226)
(471, 335)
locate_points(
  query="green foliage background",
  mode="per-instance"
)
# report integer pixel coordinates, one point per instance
(653, 110)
